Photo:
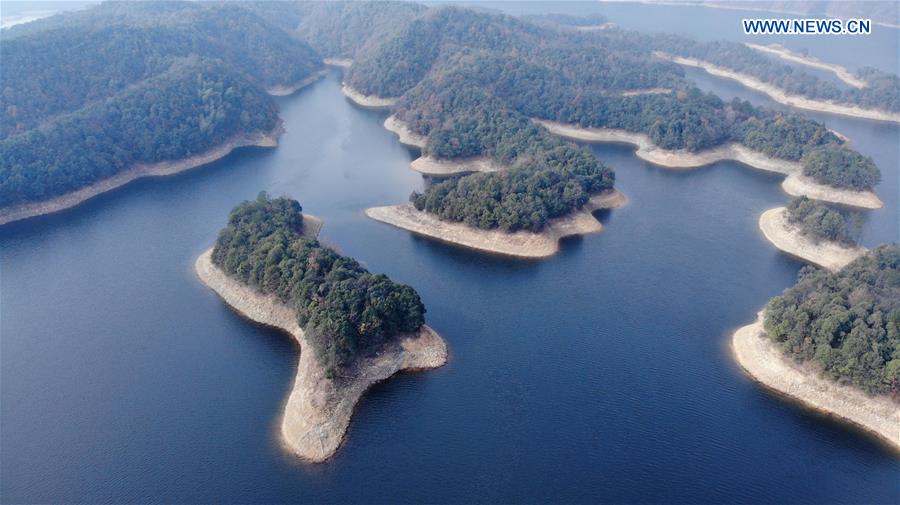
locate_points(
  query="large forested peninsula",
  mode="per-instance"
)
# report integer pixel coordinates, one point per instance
(354, 328)
(101, 93)
(469, 81)
(833, 342)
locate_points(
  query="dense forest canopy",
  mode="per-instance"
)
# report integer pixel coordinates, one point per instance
(89, 94)
(339, 29)
(192, 107)
(469, 81)
(592, 79)
(842, 166)
(62, 69)
(819, 222)
(846, 323)
(546, 177)
(344, 310)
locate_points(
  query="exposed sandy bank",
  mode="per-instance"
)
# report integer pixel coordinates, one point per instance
(765, 363)
(406, 136)
(789, 238)
(338, 62)
(426, 165)
(780, 96)
(520, 244)
(800, 185)
(368, 101)
(647, 91)
(648, 151)
(788, 55)
(68, 200)
(431, 166)
(795, 183)
(318, 409)
(290, 90)
(595, 28)
(838, 134)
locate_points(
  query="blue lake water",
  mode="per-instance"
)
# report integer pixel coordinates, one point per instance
(600, 375)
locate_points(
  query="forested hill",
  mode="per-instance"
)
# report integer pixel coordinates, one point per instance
(882, 90)
(470, 81)
(89, 94)
(605, 78)
(845, 323)
(339, 29)
(344, 310)
(194, 106)
(61, 69)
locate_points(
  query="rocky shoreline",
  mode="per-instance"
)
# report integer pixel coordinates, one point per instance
(161, 169)
(765, 363)
(338, 62)
(788, 55)
(788, 238)
(290, 90)
(520, 244)
(318, 410)
(795, 183)
(800, 185)
(404, 134)
(426, 165)
(647, 91)
(367, 101)
(780, 96)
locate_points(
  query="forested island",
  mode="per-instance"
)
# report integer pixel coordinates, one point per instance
(163, 88)
(832, 341)
(354, 328)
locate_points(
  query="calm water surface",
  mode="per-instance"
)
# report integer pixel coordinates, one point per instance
(600, 375)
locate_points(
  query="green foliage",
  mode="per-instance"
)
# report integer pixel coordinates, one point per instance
(50, 72)
(819, 222)
(841, 167)
(89, 94)
(431, 41)
(451, 65)
(342, 29)
(345, 311)
(193, 107)
(847, 323)
(547, 177)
